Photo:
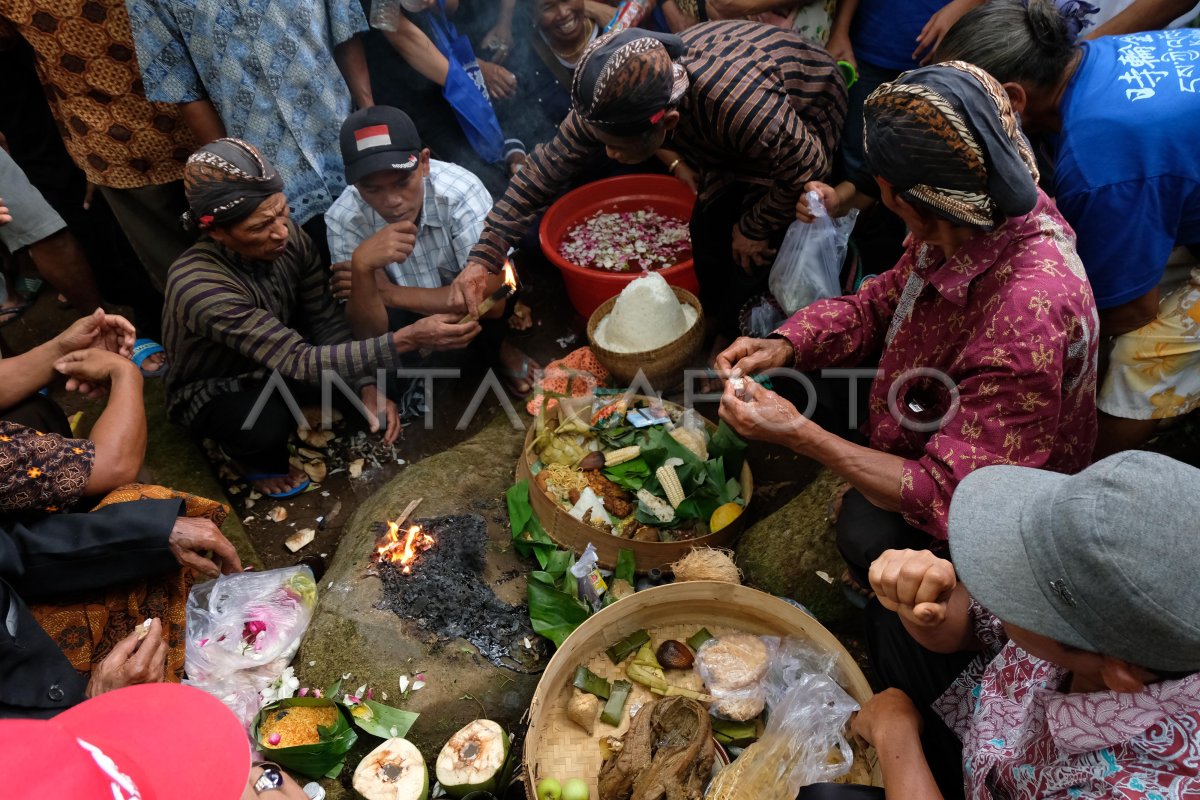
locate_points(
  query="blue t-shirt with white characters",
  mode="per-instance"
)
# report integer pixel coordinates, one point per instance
(1127, 163)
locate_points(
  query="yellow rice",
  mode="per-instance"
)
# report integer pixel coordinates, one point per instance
(296, 725)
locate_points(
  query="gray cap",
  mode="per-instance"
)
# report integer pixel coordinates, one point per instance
(1106, 560)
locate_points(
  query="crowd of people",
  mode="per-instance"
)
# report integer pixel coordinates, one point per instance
(288, 194)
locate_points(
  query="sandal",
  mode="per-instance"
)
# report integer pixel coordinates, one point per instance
(143, 349)
(514, 377)
(13, 313)
(299, 488)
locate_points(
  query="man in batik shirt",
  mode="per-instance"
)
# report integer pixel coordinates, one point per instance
(986, 328)
(1080, 595)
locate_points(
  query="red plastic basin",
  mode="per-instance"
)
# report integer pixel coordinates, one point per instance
(588, 288)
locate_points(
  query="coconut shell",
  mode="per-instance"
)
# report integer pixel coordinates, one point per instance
(707, 564)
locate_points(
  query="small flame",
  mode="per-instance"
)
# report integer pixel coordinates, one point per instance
(403, 550)
(510, 275)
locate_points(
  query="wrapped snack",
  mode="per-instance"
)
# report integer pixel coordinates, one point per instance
(733, 668)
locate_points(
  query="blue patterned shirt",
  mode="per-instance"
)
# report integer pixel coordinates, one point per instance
(268, 68)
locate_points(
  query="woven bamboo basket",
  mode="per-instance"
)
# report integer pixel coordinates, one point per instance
(571, 534)
(663, 367)
(557, 747)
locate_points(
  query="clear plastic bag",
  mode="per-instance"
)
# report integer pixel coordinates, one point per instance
(808, 266)
(763, 318)
(243, 630)
(804, 741)
(734, 670)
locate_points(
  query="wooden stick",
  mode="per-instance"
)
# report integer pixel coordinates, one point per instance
(408, 510)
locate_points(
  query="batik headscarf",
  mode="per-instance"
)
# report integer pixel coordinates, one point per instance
(225, 181)
(947, 137)
(626, 81)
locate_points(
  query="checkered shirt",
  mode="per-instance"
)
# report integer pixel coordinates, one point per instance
(452, 215)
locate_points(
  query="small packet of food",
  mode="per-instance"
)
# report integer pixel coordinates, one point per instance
(143, 630)
(608, 408)
(647, 417)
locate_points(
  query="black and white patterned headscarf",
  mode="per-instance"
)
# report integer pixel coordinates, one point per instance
(225, 181)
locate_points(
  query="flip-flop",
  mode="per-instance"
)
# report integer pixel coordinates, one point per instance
(143, 349)
(13, 313)
(303, 486)
(512, 376)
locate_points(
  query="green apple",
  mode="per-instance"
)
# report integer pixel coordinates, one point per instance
(549, 789)
(575, 789)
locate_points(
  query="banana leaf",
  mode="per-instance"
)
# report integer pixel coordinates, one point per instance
(553, 613)
(626, 568)
(631, 475)
(528, 535)
(380, 720)
(324, 759)
(727, 445)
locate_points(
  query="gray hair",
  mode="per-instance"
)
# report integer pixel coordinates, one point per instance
(1014, 42)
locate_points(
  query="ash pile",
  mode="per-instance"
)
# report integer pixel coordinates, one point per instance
(445, 595)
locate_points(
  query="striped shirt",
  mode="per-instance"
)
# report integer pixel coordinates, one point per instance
(764, 107)
(229, 320)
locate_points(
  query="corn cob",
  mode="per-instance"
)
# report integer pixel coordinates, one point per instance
(693, 441)
(669, 480)
(615, 457)
(660, 508)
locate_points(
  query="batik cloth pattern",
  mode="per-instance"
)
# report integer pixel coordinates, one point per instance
(1154, 371)
(41, 471)
(87, 64)
(268, 69)
(1009, 321)
(1026, 738)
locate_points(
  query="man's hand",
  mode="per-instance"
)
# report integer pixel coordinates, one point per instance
(498, 41)
(840, 48)
(436, 332)
(99, 330)
(888, 714)
(501, 84)
(131, 661)
(938, 26)
(829, 197)
(516, 162)
(469, 288)
(915, 584)
(90, 372)
(340, 280)
(5, 216)
(750, 253)
(752, 356)
(194, 538)
(393, 244)
(763, 415)
(376, 401)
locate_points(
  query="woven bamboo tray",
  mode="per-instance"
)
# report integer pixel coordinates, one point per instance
(556, 747)
(663, 367)
(571, 534)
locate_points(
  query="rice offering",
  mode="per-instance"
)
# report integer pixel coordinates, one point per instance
(294, 726)
(646, 316)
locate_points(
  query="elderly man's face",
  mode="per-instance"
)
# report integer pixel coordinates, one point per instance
(262, 236)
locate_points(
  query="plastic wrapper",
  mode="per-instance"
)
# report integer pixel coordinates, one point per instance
(808, 266)
(762, 317)
(734, 669)
(805, 737)
(242, 631)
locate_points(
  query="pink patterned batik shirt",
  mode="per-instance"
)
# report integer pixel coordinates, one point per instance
(1009, 322)
(1026, 739)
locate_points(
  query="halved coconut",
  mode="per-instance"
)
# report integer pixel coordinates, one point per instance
(473, 760)
(393, 771)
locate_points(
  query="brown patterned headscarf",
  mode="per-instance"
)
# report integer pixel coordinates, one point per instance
(626, 81)
(225, 181)
(946, 136)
